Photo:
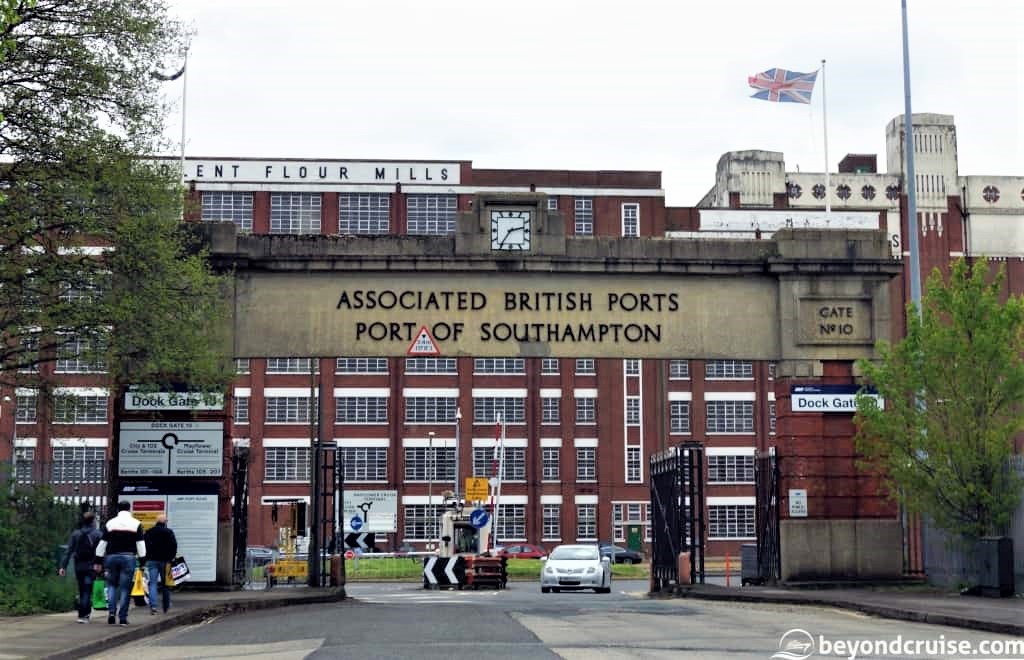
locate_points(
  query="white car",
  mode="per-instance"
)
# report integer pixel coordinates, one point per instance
(576, 567)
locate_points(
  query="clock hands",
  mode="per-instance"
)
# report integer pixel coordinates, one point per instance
(507, 234)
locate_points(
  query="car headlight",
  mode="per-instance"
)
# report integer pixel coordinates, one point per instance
(591, 570)
(549, 570)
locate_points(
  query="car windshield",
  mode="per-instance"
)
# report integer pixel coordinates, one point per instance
(577, 552)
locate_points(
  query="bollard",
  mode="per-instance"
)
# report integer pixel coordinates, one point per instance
(684, 568)
(337, 571)
(727, 570)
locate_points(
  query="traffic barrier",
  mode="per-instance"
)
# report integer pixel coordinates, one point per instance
(447, 572)
(488, 572)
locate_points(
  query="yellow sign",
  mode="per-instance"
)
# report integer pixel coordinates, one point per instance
(477, 489)
(290, 568)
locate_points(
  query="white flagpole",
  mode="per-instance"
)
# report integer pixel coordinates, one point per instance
(824, 122)
(184, 99)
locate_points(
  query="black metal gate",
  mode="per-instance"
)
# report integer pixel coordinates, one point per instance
(327, 490)
(766, 486)
(240, 512)
(677, 514)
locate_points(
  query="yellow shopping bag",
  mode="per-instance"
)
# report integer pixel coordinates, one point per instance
(138, 589)
(168, 578)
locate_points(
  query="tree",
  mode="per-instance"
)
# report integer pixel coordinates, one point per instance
(953, 392)
(81, 111)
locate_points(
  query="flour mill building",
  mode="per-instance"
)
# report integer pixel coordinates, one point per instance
(582, 419)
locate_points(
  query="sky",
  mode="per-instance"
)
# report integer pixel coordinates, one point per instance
(561, 84)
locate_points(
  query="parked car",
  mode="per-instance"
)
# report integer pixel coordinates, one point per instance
(523, 551)
(620, 555)
(576, 567)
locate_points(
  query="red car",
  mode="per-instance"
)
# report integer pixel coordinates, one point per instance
(523, 551)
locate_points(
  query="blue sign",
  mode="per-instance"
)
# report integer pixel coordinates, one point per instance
(478, 518)
(356, 523)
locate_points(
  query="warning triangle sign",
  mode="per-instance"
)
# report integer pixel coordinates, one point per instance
(424, 344)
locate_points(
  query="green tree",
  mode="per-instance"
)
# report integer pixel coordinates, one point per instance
(80, 106)
(953, 390)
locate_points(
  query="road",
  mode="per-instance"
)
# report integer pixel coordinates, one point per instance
(401, 621)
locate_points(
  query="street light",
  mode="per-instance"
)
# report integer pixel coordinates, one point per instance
(14, 436)
(430, 476)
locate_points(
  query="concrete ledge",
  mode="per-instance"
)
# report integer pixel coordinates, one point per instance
(195, 614)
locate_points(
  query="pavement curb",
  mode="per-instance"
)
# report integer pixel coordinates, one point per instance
(884, 611)
(187, 617)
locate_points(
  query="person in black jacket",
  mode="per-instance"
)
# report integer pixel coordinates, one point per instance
(161, 548)
(82, 545)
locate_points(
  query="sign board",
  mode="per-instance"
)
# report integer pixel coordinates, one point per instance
(477, 489)
(321, 171)
(191, 511)
(290, 568)
(424, 344)
(797, 503)
(170, 449)
(828, 398)
(172, 401)
(478, 518)
(376, 511)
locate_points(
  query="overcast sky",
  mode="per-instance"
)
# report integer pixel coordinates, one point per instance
(637, 84)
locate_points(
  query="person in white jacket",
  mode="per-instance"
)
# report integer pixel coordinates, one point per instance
(121, 545)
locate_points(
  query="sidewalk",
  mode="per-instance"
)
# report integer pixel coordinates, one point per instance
(58, 636)
(999, 615)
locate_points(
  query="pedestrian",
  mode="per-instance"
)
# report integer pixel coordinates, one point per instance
(122, 542)
(82, 545)
(161, 548)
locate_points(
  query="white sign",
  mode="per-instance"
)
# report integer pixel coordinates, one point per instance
(193, 518)
(827, 403)
(377, 509)
(310, 171)
(170, 449)
(797, 503)
(172, 401)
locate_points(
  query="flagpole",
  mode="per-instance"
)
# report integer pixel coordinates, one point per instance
(184, 99)
(824, 122)
(911, 181)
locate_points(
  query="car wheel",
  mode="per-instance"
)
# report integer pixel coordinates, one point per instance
(604, 590)
(545, 590)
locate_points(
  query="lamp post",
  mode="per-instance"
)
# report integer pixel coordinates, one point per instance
(430, 477)
(458, 423)
(14, 435)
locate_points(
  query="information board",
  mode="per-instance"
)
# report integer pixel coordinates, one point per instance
(375, 510)
(170, 449)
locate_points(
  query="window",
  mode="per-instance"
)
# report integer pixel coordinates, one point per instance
(365, 463)
(771, 370)
(75, 465)
(586, 367)
(586, 464)
(550, 410)
(241, 410)
(586, 410)
(430, 464)
(361, 410)
(499, 366)
(291, 365)
(288, 410)
(678, 369)
(552, 203)
(487, 408)
(511, 522)
(679, 416)
(729, 369)
(514, 465)
(630, 220)
(295, 213)
(431, 214)
(422, 522)
(630, 513)
(549, 366)
(631, 367)
(241, 365)
(286, 464)
(550, 460)
(24, 464)
(361, 366)
(25, 408)
(71, 409)
(634, 471)
(772, 419)
(551, 522)
(731, 521)
(425, 365)
(584, 208)
(228, 207)
(730, 416)
(364, 213)
(81, 355)
(632, 411)
(586, 521)
(430, 409)
(28, 356)
(731, 469)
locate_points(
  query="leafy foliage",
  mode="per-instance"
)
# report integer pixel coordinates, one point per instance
(954, 401)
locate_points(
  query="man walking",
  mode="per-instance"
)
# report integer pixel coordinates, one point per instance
(82, 545)
(122, 542)
(161, 548)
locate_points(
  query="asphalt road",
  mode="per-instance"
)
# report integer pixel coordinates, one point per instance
(402, 621)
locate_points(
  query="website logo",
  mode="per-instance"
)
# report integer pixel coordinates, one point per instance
(795, 644)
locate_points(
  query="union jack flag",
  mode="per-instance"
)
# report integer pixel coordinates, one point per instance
(782, 86)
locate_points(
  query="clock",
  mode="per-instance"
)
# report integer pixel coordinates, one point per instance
(510, 230)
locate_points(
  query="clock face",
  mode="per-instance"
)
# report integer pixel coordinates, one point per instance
(510, 230)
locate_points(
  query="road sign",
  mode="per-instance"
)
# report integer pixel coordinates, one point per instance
(478, 518)
(360, 542)
(424, 344)
(349, 554)
(476, 489)
(356, 523)
(375, 510)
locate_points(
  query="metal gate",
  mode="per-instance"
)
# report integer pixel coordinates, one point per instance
(240, 512)
(766, 487)
(677, 514)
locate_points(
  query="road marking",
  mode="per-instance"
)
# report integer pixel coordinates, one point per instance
(294, 649)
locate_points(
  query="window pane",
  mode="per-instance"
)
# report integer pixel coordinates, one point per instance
(228, 207)
(295, 213)
(584, 207)
(364, 213)
(431, 214)
(730, 416)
